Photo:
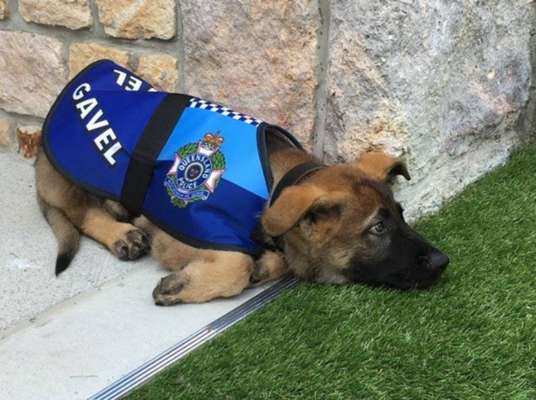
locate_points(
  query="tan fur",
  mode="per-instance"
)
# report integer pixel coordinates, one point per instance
(200, 274)
(67, 235)
(377, 165)
(86, 213)
(292, 204)
(271, 265)
(115, 209)
(318, 248)
(212, 274)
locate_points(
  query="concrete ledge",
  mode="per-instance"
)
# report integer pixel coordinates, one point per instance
(69, 337)
(79, 347)
(28, 254)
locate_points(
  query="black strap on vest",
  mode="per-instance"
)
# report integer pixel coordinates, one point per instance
(153, 138)
(295, 175)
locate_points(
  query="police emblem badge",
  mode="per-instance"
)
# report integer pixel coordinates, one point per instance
(196, 171)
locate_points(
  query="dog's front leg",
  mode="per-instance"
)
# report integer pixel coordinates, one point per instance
(215, 274)
(116, 210)
(124, 240)
(270, 266)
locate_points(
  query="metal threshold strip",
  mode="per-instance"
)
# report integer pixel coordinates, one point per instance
(143, 373)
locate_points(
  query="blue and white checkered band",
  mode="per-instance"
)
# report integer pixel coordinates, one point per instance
(200, 103)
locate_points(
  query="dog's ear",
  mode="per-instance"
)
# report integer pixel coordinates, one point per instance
(382, 167)
(294, 203)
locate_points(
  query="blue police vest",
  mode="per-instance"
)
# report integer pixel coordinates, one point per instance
(196, 169)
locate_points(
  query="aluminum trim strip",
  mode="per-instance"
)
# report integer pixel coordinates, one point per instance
(150, 368)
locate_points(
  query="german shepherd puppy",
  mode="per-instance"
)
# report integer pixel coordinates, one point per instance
(338, 225)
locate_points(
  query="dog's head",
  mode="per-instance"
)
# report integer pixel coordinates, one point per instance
(342, 225)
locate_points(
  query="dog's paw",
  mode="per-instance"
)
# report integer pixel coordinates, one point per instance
(167, 292)
(259, 275)
(134, 245)
(271, 265)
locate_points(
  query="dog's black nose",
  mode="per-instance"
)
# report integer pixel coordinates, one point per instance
(437, 260)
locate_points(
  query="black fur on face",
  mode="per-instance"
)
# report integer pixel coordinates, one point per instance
(402, 258)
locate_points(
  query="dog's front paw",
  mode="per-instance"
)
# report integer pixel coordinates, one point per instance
(259, 275)
(132, 246)
(271, 265)
(167, 292)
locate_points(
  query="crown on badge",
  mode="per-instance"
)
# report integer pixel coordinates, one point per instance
(213, 139)
(210, 143)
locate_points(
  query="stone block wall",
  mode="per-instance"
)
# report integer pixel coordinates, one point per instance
(445, 85)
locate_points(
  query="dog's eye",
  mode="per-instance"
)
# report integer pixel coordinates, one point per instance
(378, 229)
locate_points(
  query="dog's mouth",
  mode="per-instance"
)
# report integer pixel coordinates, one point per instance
(423, 275)
(405, 281)
(402, 281)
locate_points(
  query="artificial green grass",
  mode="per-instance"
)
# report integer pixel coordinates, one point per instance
(473, 336)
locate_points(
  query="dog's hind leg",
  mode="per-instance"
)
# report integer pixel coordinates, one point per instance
(215, 274)
(67, 207)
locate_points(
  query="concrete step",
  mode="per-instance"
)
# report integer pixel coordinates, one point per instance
(69, 337)
(75, 349)
(28, 253)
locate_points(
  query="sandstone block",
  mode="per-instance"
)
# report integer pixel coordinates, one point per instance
(142, 19)
(72, 14)
(82, 54)
(32, 72)
(258, 57)
(160, 70)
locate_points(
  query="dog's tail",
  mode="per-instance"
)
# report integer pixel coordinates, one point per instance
(67, 235)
